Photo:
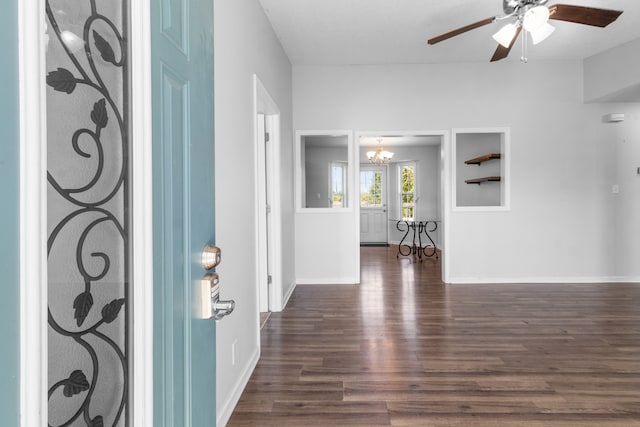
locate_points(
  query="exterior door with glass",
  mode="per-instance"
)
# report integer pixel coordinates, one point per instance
(373, 204)
(90, 213)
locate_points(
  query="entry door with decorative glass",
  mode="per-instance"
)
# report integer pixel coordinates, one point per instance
(90, 218)
(373, 204)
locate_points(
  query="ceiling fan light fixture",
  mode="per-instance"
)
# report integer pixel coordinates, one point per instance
(539, 34)
(535, 18)
(505, 35)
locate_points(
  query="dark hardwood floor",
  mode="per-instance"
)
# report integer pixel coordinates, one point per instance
(403, 349)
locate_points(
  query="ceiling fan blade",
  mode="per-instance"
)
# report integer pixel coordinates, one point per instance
(460, 30)
(502, 52)
(583, 15)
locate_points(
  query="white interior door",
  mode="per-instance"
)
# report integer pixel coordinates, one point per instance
(264, 208)
(373, 204)
(268, 215)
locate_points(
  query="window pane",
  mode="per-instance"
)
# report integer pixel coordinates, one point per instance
(407, 199)
(337, 186)
(407, 213)
(408, 179)
(370, 189)
(407, 191)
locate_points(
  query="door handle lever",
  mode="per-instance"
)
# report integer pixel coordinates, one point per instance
(220, 308)
(207, 303)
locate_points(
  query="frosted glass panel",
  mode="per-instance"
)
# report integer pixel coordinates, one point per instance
(88, 212)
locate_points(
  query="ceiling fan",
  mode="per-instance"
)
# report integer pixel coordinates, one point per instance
(533, 16)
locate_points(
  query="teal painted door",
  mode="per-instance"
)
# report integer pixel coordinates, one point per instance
(183, 218)
(9, 218)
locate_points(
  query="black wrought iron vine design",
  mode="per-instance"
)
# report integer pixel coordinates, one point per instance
(79, 385)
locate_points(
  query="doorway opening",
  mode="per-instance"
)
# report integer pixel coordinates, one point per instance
(402, 201)
(268, 216)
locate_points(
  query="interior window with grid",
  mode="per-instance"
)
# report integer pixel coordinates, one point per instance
(407, 191)
(371, 189)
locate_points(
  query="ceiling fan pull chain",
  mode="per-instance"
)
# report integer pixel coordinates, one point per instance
(525, 36)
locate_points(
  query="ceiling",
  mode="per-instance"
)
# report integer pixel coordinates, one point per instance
(349, 32)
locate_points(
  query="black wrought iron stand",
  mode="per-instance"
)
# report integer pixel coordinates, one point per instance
(418, 228)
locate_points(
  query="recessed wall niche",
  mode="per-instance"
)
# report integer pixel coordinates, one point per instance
(481, 169)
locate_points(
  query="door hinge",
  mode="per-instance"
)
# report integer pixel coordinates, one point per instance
(269, 279)
(267, 137)
(268, 209)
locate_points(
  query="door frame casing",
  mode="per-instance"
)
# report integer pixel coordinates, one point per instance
(33, 223)
(142, 215)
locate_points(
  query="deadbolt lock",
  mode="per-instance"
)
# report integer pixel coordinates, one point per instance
(211, 256)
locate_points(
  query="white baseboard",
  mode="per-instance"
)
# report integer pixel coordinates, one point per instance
(288, 293)
(225, 412)
(328, 281)
(525, 280)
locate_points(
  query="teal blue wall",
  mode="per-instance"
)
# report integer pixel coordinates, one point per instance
(9, 225)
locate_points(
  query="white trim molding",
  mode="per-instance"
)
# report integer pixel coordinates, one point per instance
(560, 280)
(224, 413)
(288, 293)
(141, 401)
(33, 221)
(327, 281)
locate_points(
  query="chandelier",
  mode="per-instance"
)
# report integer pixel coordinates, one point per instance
(380, 155)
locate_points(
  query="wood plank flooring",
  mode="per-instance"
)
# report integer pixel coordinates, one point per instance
(402, 349)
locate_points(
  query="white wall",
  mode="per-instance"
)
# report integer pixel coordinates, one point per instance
(613, 75)
(326, 247)
(245, 44)
(625, 141)
(559, 225)
(325, 242)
